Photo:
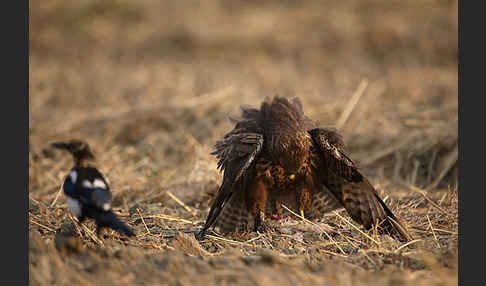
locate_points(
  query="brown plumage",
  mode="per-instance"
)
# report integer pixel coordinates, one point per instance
(276, 155)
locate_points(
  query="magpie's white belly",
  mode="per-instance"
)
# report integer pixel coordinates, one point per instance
(74, 205)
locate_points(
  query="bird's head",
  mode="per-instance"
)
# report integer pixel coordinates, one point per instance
(293, 151)
(80, 150)
(285, 128)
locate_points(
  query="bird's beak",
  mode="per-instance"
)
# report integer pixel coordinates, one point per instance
(292, 177)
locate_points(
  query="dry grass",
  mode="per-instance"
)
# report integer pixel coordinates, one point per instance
(150, 86)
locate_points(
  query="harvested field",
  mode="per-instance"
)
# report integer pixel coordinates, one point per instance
(151, 84)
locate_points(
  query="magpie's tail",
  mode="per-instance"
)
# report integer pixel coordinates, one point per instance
(109, 219)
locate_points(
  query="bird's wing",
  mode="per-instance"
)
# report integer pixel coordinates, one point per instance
(236, 152)
(89, 187)
(339, 174)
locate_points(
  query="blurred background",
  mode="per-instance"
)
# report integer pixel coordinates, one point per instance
(148, 82)
(151, 84)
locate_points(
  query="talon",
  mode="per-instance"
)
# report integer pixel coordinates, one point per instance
(302, 213)
(262, 216)
(259, 221)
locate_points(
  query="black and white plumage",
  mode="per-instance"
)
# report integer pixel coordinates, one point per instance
(87, 191)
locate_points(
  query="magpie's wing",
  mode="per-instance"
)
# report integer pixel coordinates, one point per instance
(236, 153)
(339, 174)
(89, 187)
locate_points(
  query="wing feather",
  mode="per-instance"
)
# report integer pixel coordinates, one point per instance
(342, 177)
(90, 188)
(235, 153)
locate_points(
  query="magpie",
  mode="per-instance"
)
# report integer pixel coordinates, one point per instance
(87, 192)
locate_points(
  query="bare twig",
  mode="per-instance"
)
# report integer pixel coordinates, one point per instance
(316, 225)
(352, 103)
(413, 177)
(449, 162)
(143, 221)
(369, 159)
(357, 228)
(57, 195)
(369, 258)
(422, 192)
(41, 225)
(228, 240)
(433, 232)
(172, 218)
(446, 231)
(406, 244)
(86, 230)
(207, 98)
(182, 204)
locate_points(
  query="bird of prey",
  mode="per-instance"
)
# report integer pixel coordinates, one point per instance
(87, 192)
(277, 156)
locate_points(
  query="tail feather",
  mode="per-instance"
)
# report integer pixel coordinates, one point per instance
(109, 219)
(234, 216)
(367, 208)
(394, 225)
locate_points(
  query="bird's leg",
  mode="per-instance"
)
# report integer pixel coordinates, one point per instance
(259, 221)
(258, 195)
(303, 201)
(99, 231)
(77, 223)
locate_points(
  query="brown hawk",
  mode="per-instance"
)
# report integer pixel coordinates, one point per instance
(276, 155)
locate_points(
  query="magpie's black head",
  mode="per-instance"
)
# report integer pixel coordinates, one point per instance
(79, 149)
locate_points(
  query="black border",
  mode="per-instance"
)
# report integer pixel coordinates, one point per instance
(24, 120)
(15, 144)
(471, 86)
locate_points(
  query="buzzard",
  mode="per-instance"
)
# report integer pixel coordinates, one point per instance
(277, 156)
(87, 192)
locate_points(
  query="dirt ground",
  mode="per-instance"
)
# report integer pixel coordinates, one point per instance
(151, 84)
